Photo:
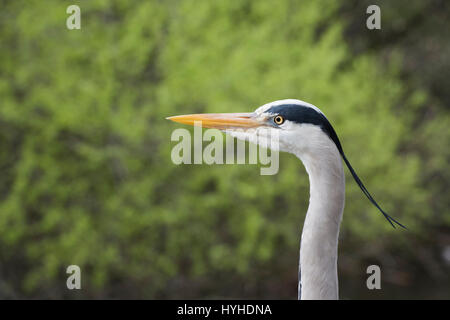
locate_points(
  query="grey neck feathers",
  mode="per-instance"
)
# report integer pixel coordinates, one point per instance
(319, 241)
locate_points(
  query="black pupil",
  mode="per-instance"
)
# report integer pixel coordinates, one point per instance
(278, 119)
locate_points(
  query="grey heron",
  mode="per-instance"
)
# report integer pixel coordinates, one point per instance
(303, 130)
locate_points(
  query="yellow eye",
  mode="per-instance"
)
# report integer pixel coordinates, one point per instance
(278, 120)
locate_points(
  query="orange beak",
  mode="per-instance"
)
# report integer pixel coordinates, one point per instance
(220, 121)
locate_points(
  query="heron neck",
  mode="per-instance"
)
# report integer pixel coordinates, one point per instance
(319, 241)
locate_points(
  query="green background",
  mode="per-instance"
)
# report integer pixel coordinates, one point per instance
(87, 178)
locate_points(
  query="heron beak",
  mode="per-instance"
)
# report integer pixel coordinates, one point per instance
(220, 121)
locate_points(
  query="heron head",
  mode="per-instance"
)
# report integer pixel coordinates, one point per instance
(297, 126)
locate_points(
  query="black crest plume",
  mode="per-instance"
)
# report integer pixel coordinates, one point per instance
(306, 114)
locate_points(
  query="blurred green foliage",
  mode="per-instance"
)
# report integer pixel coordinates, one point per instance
(87, 177)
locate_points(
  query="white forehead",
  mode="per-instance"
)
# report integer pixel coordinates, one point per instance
(301, 103)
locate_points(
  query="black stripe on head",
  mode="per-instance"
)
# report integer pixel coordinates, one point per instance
(303, 114)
